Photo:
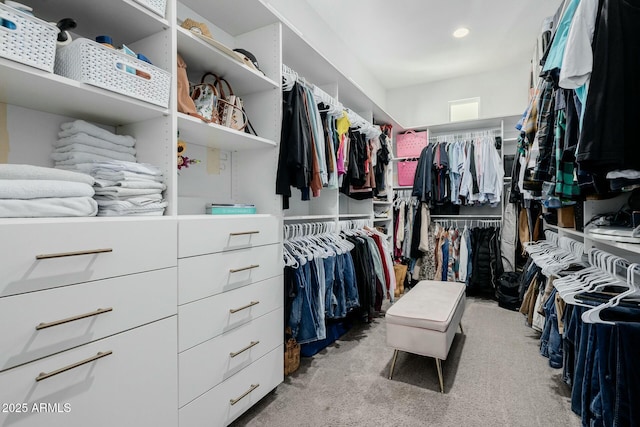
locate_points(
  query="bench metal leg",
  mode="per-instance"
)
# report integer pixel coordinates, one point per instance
(393, 362)
(461, 331)
(439, 366)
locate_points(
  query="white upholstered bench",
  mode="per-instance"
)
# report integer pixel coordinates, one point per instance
(424, 321)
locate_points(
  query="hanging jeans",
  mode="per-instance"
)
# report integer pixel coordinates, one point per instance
(307, 320)
(345, 265)
(551, 341)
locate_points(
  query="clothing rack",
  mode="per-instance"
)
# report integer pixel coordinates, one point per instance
(291, 231)
(489, 133)
(482, 223)
(357, 122)
(354, 224)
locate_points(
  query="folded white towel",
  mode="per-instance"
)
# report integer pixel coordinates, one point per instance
(10, 171)
(126, 176)
(83, 138)
(110, 212)
(139, 203)
(125, 192)
(146, 184)
(65, 153)
(79, 126)
(112, 198)
(114, 166)
(48, 207)
(41, 188)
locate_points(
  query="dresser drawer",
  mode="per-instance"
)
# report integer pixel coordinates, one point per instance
(209, 234)
(208, 364)
(204, 319)
(134, 385)
(41, 255)
(38, 324)
(230, 399)
(206, 275)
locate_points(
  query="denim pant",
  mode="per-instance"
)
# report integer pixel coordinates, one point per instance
(350, 284)
(551, 341)
(340, 309)
(625, 359)
(306, 320)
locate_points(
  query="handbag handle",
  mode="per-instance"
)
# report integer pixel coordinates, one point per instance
(218, 83)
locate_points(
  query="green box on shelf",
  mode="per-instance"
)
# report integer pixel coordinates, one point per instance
(230, 209)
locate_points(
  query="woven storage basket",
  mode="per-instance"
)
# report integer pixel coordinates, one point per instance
(32, 42)
(410, 144)
(291, 356)
(406, 172)
(89, 62)
(157, 6)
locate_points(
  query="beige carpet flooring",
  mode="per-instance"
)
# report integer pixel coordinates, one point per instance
(494, 376)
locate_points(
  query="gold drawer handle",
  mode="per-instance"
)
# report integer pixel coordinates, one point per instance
(65, 254)
(45, 375)
(237, 270)
(253, 344)
(243, 395)
(244, 233)
(74, 318)
(244, 307)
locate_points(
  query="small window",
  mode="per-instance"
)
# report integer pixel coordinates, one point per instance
(464, 109)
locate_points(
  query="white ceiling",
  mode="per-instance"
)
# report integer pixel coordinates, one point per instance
(409, 42)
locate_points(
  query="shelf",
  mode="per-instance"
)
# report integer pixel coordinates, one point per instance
(382, 219)
(39, 90)
(562, 230)
(403, 187)
(474, 216)
(355, 216)
(195, 131)
(379, 202)
(630, 247)
(125, 20)
(202, 57)
(312, 218)
(225, 14)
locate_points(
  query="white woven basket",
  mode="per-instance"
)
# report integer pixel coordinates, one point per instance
(32, 42)
(157, 6)
(92, 63)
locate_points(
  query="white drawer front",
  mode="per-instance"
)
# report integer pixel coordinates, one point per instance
(131, 247)
(203, 367)
(206, 275)
(215, 409)
(135, 385)
(205, 235)
(204, 319)
(128, 297)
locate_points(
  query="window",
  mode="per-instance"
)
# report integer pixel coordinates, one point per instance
(464, 109)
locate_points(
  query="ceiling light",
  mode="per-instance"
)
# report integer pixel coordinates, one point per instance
(460, 32)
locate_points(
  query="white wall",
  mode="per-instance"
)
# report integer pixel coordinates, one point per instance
(502, 92)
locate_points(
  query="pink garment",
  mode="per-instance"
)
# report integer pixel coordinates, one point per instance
(340, 161)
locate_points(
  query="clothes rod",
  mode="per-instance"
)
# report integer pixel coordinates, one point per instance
(473, 216)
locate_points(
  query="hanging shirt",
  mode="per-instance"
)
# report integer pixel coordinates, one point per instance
(557, 49)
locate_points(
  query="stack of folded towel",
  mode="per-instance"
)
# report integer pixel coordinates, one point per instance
(122, 186)
(37, 192)
(83, 142)
(125, 188)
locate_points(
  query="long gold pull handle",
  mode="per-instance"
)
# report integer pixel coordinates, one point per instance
(244, 307)
(65, 254)
(74, 318)
(243, 395)
(243, 233)
(253, 344)
(45, 375)
(249, 267)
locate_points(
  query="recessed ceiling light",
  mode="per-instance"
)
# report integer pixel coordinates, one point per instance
(460, 32)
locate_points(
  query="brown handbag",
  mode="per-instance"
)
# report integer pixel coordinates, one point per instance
(185, 103)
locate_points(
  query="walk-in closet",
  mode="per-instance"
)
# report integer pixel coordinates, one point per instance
(319, 213)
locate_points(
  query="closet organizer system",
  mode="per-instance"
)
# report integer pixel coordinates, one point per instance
(332, 163)
(584, 138)
(586, 308)
(181, 314)
(460, 178)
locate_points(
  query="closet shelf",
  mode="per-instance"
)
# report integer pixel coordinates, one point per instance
(355, 216)
(128, 20)
(473, 216)
(202, 57)
(380, 202)
(630, 247)
(562, 230)
(312, 218)
(39, 90)
(195, 131)
(382, 219)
